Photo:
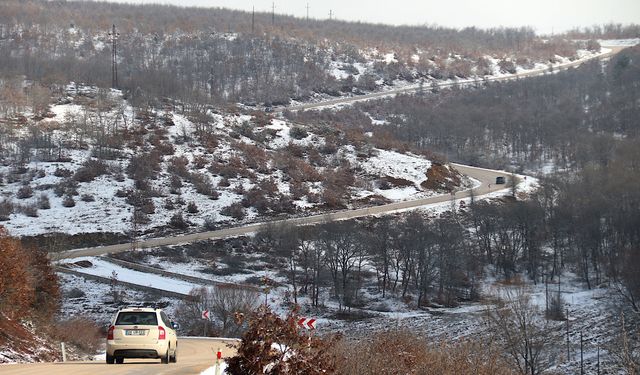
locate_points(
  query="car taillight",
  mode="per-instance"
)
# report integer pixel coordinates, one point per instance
(162, 334)
(110, 333)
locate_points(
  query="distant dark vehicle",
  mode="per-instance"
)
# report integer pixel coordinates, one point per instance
(500, 180)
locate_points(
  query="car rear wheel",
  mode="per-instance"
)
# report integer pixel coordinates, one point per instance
(110, 359)
(165, 358)
(119, 360)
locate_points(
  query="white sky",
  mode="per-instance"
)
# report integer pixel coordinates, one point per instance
(544, 16)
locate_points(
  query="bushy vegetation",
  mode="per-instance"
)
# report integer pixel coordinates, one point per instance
(28, 285)
(196, 56)
(29, 296)
(275, 345)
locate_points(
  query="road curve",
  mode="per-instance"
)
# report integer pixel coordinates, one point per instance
(486, 177)
(194, 356)
(414, 88)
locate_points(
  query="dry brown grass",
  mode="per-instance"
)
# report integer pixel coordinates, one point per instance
(81, 332)
(408, 353)
(516, 280)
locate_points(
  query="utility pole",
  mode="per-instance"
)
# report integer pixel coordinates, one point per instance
(273, 13)
(581, 355)
(568, 348)
(330, 14)
(307, 11)
(114, 56)
(253, 20)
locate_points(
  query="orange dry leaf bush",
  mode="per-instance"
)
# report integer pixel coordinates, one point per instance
(16, 292)
(28, 285)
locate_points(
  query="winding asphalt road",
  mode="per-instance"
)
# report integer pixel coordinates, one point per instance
(194, 356)
(486, 177)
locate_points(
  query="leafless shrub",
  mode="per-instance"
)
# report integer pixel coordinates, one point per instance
(178, 166)
(192, 208)
(177, 221)
(24, 192)
(81, 332)
(625, 346)
(203, 185)
(91, 169)
(256, 198)
(556, 307)
(87, 198)
(62, 172)
(523, 334)
(234, 210)
(507, 66)
(43, 202)
(224, 182)
(66, 186)
(210, 223)
(199, 162)
(122, 193)
(6, 209)
(165, 148)
(298, 132)
(30, 210)
(175, 184)
(168, 204)
(224, 302)
(75, 293)
(68, 201)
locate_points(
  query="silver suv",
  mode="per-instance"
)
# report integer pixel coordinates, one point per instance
(142, 333)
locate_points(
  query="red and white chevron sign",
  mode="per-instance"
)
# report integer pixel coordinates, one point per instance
(308, 323)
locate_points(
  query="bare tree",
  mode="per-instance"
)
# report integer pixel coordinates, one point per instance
(524, 335)
(626, 348)
(341, 250)
(224, 301)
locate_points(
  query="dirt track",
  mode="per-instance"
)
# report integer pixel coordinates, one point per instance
(194, 356)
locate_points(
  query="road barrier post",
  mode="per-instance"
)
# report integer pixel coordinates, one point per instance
(218, 358)
(64, 352)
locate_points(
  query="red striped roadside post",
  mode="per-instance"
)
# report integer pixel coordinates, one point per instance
(218, 358)
(310, 325)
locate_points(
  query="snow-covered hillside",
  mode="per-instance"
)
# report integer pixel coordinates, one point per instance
(94, 163)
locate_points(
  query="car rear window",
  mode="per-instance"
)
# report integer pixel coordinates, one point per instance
(137, 318)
